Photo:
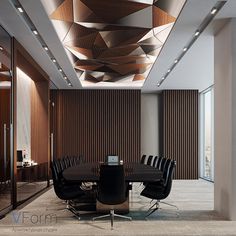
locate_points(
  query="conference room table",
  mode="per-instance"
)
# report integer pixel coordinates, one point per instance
(134, 172)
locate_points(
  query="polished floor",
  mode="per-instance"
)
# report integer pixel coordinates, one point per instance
(46, 216)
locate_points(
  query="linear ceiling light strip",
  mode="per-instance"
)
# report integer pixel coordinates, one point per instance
(33, 29)
(210, 16)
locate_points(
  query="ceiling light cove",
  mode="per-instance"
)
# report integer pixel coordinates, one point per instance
(206, 21)
(113, 42)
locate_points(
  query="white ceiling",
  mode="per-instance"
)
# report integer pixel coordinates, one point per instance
(194, 71)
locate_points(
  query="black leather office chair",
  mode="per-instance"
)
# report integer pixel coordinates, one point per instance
(155, 159)
(162, 164)
(112, 189)
(64, 190)
(158, 162)
(161, 189)
(149, 160)
(143, 159)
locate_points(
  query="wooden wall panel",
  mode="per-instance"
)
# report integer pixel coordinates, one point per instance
(5, 105)
(180, 131)
(39, 121)
(95, 123)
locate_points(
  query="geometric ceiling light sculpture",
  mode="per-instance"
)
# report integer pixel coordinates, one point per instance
(113, 42)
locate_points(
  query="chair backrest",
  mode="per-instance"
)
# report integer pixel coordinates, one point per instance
(149, 160)
(60, 186)
(169, 178)
(142, 161)
(162, 164)
(66, 161)
(154, 161)
(55, 171)
(158, 163)
(166, 170)
(57, 165)
(112, 187)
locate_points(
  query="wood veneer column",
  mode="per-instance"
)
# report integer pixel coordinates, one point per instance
(180, 131)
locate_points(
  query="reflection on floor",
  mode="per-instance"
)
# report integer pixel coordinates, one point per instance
(5, 194)
(27, 189)
(194, 198)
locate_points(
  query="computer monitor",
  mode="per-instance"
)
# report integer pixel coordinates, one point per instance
(112, 160)
(19, 155)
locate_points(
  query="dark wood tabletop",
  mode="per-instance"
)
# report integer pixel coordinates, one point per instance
(134, 172)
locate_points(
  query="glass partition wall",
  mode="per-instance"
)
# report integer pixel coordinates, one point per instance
(5, 121)
(207, 128)
(31, 133)
(24, 166)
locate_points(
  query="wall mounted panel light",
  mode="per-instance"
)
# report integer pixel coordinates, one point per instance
(16, 4)
(209, 17)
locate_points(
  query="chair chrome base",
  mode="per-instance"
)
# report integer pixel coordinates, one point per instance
(112, 215)
(72, 209)
(156, 206)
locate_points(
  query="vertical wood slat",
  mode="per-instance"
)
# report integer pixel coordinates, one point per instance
(180, 131)
(96, 123)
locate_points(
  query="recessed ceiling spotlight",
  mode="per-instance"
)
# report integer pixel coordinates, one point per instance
(1, 48)
(54, 60)
(60, 69)
(20, 9)
(46, 48)
(176, 60)
(65, 78)
(163, 78)
(69, 84)
(35, 32)
(197, 33)
(168, 71)
(158, 84)
(185, 49)
(213, 11)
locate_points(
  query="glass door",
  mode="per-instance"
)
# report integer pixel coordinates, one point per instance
(207, 152)
(5, 120)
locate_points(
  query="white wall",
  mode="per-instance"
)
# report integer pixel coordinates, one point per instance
(225, 121)
(23, 112)
(149, 124)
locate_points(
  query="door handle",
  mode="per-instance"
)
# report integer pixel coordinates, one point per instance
(5, 149)
(51, 146)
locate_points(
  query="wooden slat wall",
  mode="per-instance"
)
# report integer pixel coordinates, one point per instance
(96, 123)
(39, 121)
(180, 131)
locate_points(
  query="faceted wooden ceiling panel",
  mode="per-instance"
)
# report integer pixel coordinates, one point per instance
(113, 41)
